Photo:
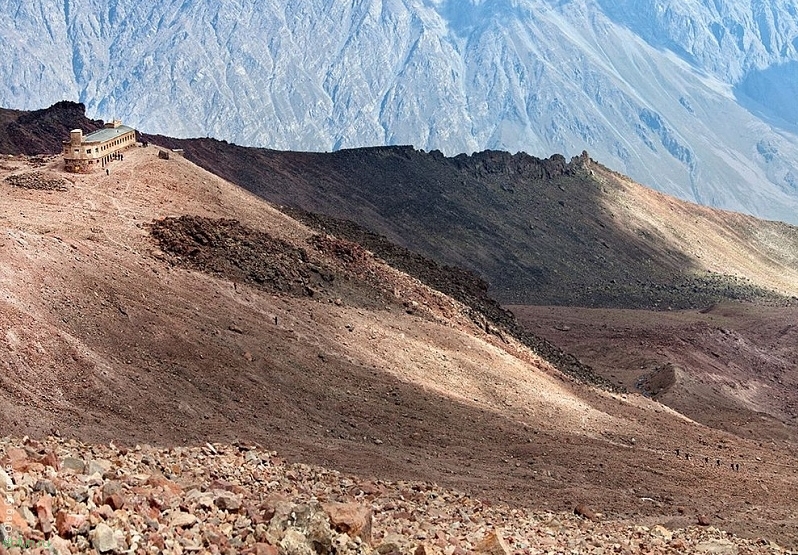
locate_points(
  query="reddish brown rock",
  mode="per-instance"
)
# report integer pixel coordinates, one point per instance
(17, 522)
(156, 539)
(68, 524)
(17, 457)
(50, 459)
(116, 501)
(585, 512)
(159, 481)
(103, 511)
(492, 544)
(703, 520)
(44, 511)
(353, 519)
(262, 549)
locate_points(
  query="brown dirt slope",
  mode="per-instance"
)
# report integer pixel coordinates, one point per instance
(107, 336)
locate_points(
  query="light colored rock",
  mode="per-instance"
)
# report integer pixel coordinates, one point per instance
(717, 547)
(103, 538)
(295, 543)
(98, 466)
(663, 532)
(5, 479)
(182, 520)
(227, 501)
(73, 464)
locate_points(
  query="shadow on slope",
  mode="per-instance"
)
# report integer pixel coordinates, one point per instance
(539, 231)
(770, 94)
(228, 249)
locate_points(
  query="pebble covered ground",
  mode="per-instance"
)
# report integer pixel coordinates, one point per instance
(62, 496)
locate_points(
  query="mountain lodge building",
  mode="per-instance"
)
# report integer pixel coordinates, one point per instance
(97, 149)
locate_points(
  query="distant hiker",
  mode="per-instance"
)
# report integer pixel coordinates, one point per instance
(107, 171)
(737, 467)
(677, 452)
(275, 320)
(717, 462)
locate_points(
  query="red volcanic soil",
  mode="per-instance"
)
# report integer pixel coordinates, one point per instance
(732, 366)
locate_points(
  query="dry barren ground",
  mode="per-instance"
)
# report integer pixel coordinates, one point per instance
(107, 337)
(731, 366)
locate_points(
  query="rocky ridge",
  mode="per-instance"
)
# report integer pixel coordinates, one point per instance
(539, 231)
(38, 180)
(67, 497)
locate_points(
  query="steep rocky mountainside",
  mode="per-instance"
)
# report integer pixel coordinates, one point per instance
(733, 372)
(694, 99)
(538, 231)
(161, 304)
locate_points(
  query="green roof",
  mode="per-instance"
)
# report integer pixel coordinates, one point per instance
(107, 134)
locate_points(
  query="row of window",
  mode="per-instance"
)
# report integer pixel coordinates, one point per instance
(125, 139)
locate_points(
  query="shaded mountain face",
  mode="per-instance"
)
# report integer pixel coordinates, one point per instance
(550, 232)
(690, 98)
(42, 131)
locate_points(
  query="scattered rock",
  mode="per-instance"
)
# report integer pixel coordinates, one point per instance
(50, 459)
(38, 181)
(262, 549)
(228, 508)
(45, 486)
(67, 524)
(703, 520)
(44, 511)
(660, 530)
